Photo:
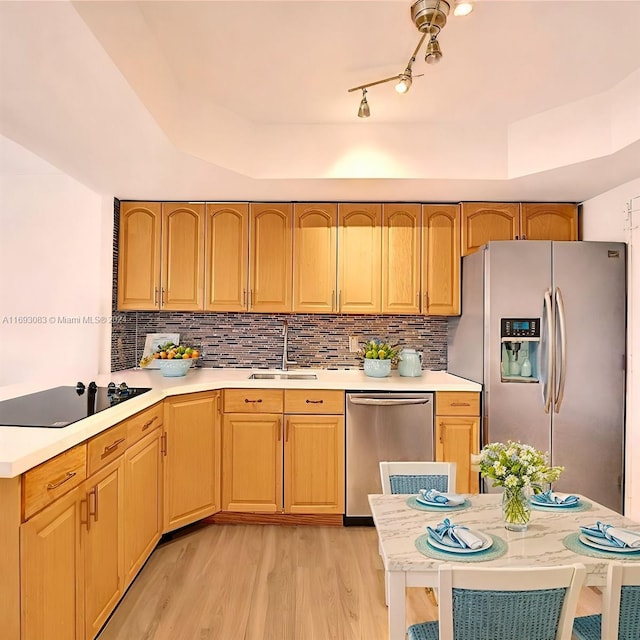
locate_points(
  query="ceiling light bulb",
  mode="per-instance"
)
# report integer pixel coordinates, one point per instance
(404, 83)
(363, 111)
(462, 7)
(433, 52)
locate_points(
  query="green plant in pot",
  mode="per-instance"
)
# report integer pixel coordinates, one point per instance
(378, 356)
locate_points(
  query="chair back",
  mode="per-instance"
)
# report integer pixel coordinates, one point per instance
(621, 603)
(410, 477)
(508, 603)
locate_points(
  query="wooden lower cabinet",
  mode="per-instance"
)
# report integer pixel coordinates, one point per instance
(142, 502)
(102, 542)
(252, 462)
(191, 449)
(52, 572)
(314, 464)
(457, 434)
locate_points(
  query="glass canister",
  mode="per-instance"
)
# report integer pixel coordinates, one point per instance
(410, 363)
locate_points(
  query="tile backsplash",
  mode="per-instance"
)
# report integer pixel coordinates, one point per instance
(255, 340)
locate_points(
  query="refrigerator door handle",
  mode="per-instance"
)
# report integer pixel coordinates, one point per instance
(563, 350)
(549, 383)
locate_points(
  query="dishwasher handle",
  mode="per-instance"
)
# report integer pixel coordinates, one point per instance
(388, 402)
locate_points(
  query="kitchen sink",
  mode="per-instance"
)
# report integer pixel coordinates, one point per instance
(283, 376)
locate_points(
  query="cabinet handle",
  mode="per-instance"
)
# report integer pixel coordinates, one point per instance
(67, 477)
(163, 444)
(85, 504)
(112, 447)
(418, 299)
(314, 401)
(460, 404)
(441, 431)
(244, 298)
(155, 296)
(279, 429)
(250, 298)
(218, 405)
(162, 296)
(146, 425)
(253, 401)
(286, 431)
(94, 513)
(426, 302)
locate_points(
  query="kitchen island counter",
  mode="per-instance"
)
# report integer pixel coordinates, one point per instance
(22, 448)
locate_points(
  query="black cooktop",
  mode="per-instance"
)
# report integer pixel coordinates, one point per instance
(61, 406)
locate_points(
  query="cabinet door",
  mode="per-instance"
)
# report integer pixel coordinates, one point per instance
(142, 502)
(456, 439)
(314, 464)
(139, 256)
(401, 258)
(52, 575)
(314, 258)
(484, 221)
(227, 257)
(103, 545)
(182, 256)
(441, 259)
(271, 237)
(252, 462)
(549, 221)
(191, 470)
(359, 257)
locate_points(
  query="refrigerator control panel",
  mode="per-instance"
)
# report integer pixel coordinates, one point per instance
(520, 328)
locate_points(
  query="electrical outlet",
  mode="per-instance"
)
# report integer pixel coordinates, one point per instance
(353, 344)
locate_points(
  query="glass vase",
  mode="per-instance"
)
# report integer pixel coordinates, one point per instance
(516, 511)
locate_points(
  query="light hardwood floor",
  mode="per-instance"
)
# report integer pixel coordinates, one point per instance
(266, 582)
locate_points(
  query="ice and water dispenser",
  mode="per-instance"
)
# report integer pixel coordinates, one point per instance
(520, 345)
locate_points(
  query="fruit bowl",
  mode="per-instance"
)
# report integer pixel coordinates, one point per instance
(175, 367)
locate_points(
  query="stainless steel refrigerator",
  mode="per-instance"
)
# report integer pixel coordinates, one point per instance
(562, 307)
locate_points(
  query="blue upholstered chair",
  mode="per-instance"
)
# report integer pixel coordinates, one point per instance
(504, 603)
(620, 619)
(410, 477)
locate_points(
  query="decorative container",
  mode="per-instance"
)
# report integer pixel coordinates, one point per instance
(516, 511)
(175, 368)
(377, 368)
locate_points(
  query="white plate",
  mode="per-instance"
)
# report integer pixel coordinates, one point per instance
(449, 504)
(537, 503)
(603, 546)
(487, 543)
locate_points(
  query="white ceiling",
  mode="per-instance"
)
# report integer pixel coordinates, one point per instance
(533, 100)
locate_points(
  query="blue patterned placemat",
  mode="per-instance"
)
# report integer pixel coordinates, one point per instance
(583, 505)
(414, 504)
(573, 543)
(497, 549)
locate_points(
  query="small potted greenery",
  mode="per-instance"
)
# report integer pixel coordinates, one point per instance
(378, 356)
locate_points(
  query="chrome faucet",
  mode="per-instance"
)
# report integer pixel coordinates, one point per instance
(285, 357)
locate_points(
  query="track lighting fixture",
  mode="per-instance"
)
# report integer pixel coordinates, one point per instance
(363, 111)
(429, 17)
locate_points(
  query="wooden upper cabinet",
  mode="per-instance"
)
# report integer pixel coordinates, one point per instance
(271, 235)
(359, 256)
(548, 221)
(139, 256)
(441, 259)
(484, 221)
(226, 257)
(182, 257)
(401, 258)
(314, 258)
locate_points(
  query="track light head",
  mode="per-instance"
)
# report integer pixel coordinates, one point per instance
(363, 110)
(434, 53)
(404, 81)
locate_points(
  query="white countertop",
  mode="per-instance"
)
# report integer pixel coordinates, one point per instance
(22, 448)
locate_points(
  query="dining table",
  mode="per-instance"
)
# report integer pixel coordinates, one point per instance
(552, 538)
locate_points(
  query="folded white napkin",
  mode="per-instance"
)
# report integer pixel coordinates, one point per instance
(432, 495)
(619, 537)
(455, 535)
(549, 497)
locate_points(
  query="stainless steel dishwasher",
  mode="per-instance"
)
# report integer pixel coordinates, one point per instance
(381, 426)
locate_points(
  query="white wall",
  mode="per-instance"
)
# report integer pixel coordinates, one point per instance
(615, 216)
(55, 265)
